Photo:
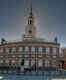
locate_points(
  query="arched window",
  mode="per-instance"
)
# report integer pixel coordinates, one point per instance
(40, 50)
(20, 49)
(33, 50)
(47, 51)
(54, 51)
(13, 49)
(26, 50)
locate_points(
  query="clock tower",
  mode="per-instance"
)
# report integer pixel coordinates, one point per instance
(30, 29)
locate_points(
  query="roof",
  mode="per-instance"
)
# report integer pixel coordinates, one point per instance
(30, 42)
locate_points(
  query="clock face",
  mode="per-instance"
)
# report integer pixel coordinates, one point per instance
(30, 31)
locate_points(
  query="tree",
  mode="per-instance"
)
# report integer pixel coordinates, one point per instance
(3, 41)
(22, 62)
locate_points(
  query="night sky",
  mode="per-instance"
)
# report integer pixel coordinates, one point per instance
(50, 19)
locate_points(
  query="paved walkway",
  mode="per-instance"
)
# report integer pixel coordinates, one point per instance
(27, 77)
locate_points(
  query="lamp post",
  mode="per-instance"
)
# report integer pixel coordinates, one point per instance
(42, 73)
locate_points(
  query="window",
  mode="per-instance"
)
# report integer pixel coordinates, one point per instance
(13, 56)
(13, 61)
(40, 63)
(20, 60)
(47, 63)
(26, 54)
(1, 49)
(26, 49)
(54, 51)
(30, 22)
(20, 55)
(26, 64)
(54, 63)
(47, 56)
(40, 50)
(7, 49)
(1, 61)
(54, 56)
(33, 50)
(1, 56)
(13, 49)
(7, 61)
(32, 62)
(47, 51)
(20, 49)
(40, 55)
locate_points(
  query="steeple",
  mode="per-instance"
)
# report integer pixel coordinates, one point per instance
(30, 10)
(30, 29)
(30, 17)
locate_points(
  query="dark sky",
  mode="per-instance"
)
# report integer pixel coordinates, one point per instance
(50, 17)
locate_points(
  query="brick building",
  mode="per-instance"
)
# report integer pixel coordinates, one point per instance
(62, 59)
(35, 52)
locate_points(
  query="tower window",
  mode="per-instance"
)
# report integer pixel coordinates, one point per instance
(30, 22)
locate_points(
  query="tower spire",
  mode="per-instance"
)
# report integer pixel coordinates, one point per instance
(30, 17)
(30, 29)
(31, 8)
